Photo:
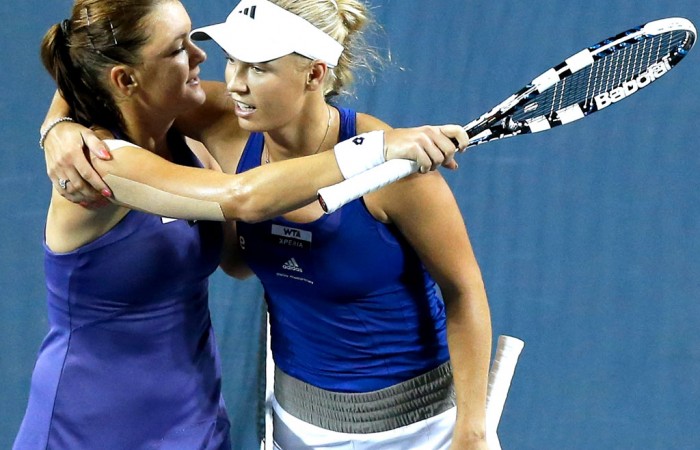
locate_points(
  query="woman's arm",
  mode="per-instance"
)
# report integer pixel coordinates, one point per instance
(67, 144)
(142, 180)
(85, 185)
(426, 213)
(232, 260)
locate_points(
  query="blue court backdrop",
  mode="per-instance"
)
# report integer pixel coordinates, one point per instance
(587, 236)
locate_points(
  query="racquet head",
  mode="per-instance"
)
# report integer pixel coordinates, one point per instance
(589, 81)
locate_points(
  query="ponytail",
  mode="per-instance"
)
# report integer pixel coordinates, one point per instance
(79, 51)
(346, 21)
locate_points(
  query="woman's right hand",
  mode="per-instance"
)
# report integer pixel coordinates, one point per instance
(66, 153)
(430, 146)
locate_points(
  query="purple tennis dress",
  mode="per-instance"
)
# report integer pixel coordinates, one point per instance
(130, 361)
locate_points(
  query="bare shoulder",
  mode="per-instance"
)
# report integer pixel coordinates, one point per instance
(366, 122)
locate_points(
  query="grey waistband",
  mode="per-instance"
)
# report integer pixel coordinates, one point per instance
(369, 412)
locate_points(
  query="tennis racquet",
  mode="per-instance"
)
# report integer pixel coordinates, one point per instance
(500, 376)
(587, 82)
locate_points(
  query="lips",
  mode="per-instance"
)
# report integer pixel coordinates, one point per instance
(243, 109)
(195, 79)
(244, 106)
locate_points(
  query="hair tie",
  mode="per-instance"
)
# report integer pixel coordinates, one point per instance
(65, 27)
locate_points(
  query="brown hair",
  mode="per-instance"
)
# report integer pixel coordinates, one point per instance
(79, 51)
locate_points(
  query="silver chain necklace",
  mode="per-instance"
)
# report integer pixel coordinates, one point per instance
(325, 135)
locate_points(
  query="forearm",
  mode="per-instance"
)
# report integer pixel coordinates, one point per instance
(425, 211)
(469, 339)
(142, 180)
(232, 260)
(273, 189)
(257, 194)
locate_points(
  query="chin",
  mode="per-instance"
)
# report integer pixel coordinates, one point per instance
(186, 104)
(201, 99)
(249, 125)
(199, 95)
(191, 100)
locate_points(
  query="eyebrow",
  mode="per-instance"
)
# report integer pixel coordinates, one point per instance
(179, 37)
(182, 36)
(261, 63)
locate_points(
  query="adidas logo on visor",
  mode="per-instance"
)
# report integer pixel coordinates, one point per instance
(250, 12)
(273, 33)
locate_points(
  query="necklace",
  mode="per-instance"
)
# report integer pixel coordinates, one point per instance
(325, 135)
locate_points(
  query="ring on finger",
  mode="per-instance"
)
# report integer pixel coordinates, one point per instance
(63, 183)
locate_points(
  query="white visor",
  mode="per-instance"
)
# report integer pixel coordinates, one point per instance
(259, 31)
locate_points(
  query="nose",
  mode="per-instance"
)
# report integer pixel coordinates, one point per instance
(196, 54)
(235, 78)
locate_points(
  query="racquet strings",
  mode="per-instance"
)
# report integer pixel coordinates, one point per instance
(611, 69)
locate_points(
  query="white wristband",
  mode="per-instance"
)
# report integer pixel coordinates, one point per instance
(360, 153)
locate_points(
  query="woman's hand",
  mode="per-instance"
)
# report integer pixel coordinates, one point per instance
(68, 167)
(430, 146)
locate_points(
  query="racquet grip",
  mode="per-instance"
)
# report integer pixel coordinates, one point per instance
(500, 376)
(335, 196)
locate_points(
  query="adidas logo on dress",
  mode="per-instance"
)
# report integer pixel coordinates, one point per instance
(292, 265)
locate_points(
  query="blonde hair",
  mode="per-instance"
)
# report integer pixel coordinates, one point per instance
(346, 21)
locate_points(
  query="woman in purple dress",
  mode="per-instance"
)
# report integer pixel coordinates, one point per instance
(130, 360)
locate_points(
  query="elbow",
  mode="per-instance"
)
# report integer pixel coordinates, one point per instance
(469, 307)
(243, 203)
(237, 271)
(233, 264)
(472, 292)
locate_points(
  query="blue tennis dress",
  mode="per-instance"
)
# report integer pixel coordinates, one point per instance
(352, 308)
(130, 361)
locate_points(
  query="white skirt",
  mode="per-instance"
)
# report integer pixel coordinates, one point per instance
(291, 433)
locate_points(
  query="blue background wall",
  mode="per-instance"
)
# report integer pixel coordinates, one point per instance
(587, 235)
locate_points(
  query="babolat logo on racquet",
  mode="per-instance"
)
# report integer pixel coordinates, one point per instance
(588, 81)
(654, 72)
